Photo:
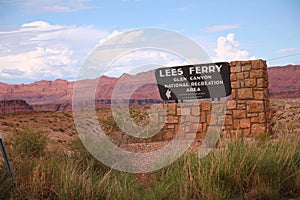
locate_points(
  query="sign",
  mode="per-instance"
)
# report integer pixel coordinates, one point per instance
(198, 81)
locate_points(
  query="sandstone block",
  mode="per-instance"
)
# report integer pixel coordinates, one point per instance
(170, 126)
(262, 117)
(245, 93)
(233, 93)
(203, 117)
(246, 74)
(199, 136)
(261, 82)
(236, 124)
(258, 129)
(192, 119)
(235, 69)
(231, 104)
(195, 110)
(246, 132)
(178, 111)
(255, 106)
(228, 112)
(241, 106)
(172, 109)
(232, 63)
(228, 120)
(246, 67)
(206, 105)
(254, 119)
(258, 64)
(159, 107)
(168, 135)
(196, 128)
(212, 118)
(245, 62)
(204, 127)
(258, 73)
(171, 119)
(240, 76)
(187, 128)
(235, 84)
(185, 111)
(259, 95)
(217, 107)
(251, 82)
(245, 123)
(252, 114)
(232, 77)
(237, 114)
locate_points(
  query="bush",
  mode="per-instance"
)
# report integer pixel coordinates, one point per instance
(41, 174)
(239, 170)
(28, 143)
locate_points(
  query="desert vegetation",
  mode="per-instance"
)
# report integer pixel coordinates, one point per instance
(264, 167)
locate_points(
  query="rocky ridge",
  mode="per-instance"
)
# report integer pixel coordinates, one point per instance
(56, 95)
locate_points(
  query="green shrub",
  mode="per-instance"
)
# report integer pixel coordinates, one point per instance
(241, 170)
(260, 169)
(28, 143)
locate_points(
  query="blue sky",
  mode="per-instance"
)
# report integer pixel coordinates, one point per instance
(41, 39)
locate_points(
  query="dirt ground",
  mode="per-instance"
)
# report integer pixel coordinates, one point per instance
(60, 128)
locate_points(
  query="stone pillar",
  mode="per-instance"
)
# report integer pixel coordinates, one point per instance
(247, 113)
(249, 109)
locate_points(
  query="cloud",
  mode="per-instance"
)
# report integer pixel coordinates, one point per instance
(55, 5)
(39, 50)
(41, 25)
(143, 60)
(120, 38)
(228, 49)
(218, 28)
(285, 50)
(38, 64)
(110, 36)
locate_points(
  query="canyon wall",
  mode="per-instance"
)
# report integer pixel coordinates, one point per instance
(56, 95)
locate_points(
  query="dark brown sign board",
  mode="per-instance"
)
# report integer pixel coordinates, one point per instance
(190, 82)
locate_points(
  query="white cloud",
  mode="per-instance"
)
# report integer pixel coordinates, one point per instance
(285, 50)
(41, 25)
(218, 28)
(39, 50)
(56, 5)
(143, 60)
(228, 49)
(120, 38)
(37, 64)
(110, 36)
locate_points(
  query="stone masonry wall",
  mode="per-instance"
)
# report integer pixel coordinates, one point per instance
(247, 113)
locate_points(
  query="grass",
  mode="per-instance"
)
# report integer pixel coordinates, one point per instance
(28, 143)
(57, 175)
(240, 170)
(267, 167)
(138, 116)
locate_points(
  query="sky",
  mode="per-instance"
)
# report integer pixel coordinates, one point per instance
(47, 40)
